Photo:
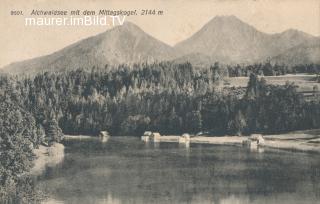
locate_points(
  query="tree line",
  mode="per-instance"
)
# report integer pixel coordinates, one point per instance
(269, 69)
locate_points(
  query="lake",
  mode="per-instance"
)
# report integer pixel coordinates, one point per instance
(125, 170)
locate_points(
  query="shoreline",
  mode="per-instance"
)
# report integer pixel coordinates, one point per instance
(78, 137)
(298, 141)
(47, 157)
(303, 140)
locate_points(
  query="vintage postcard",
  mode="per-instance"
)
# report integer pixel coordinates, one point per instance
(160, 102)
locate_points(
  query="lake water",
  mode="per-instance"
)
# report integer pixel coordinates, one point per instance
(125, 170)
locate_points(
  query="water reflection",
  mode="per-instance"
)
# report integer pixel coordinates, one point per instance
(185, 145)
(185, 148)
(104, 139)
(126, 170)
(156, 145)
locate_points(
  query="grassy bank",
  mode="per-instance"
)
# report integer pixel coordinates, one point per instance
(305, 82)
(47, 156)
(308, 140)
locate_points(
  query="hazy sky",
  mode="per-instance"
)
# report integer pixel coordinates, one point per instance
(180, 20)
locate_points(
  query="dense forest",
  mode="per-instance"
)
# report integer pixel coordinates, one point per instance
(165, 97)
(19, 135)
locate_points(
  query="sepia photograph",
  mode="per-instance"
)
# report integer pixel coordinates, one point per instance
(160, 102)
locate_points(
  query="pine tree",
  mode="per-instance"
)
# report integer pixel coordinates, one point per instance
(41, 134)
(238, 124)
(53, 131)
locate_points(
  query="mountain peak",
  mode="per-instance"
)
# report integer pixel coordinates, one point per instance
(226, 19)
(226, 38)
(227, 24)
(128, 27)
(128, 24)
(123, 44)
(294, 32)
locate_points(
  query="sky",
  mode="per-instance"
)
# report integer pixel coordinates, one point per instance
(180, 19)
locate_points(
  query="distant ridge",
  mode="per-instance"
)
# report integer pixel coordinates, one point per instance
(122, 44)
(229, 40)
(226, 39)
(305, 53)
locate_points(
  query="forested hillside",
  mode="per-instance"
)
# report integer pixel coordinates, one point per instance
(166, 97)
